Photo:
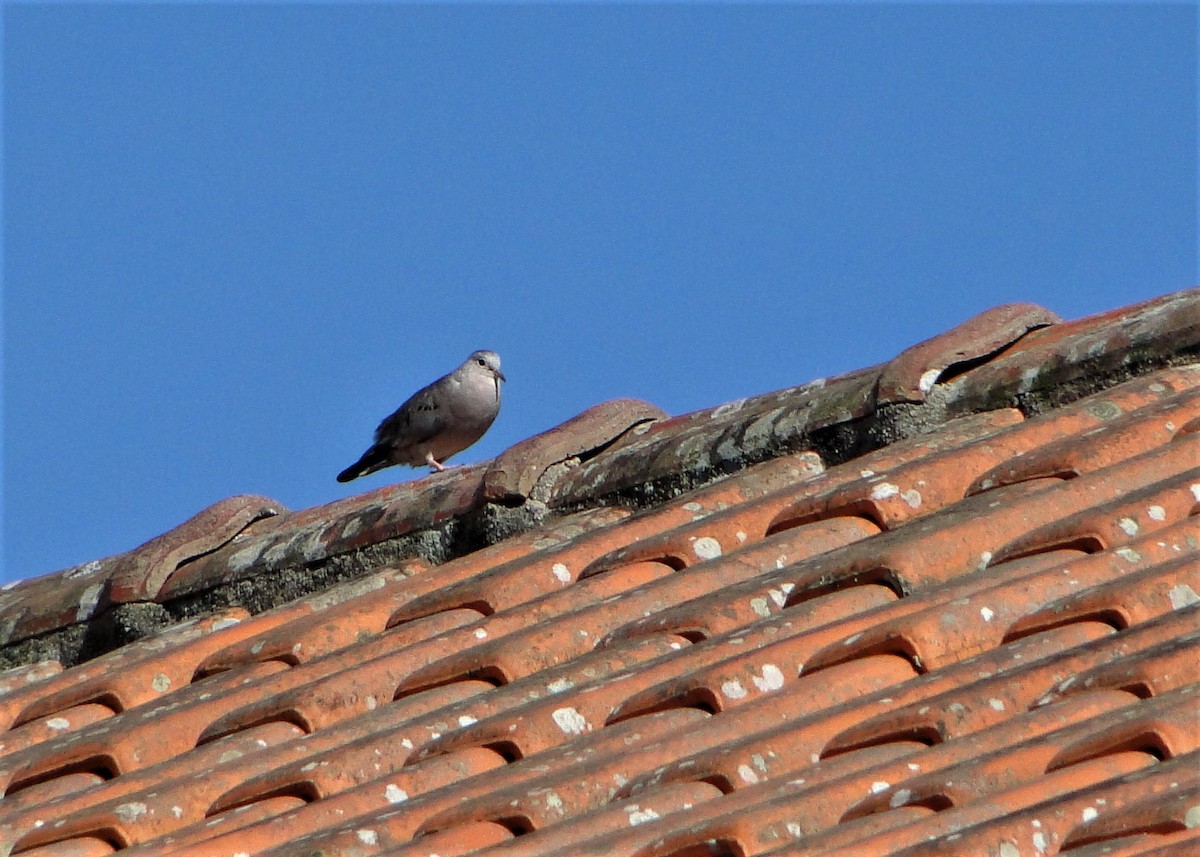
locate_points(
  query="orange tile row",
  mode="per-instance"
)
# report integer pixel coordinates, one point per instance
(582, 775)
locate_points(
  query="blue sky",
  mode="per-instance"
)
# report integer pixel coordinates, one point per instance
(236, 237)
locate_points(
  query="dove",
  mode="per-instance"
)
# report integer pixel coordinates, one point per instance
(437, 421)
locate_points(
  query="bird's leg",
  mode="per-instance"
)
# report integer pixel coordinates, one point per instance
(434, 463)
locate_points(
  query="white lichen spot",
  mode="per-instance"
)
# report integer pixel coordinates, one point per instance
(85, 570)
(1128, 526)
(759, 606)
(161, 683)
(88, 601)
(987, 613)
(928, 379)
(1039, 841)
(245, 558)
(879, 786)
(912, 497)
(406, 743)
(1008, 849)
(129, 812)
(465, 720)
(367, 837)
(1195, 489)
(706, 547)
(561, 573)
(733, 690)
(1182, 595)
(394, 794)
(1191, 818)
(852, 639)
(480, 634)
(1089, 814)
(560, 685)
(866, 474)
(996, 704)
(1156, 513)
(985, 559)
(884, 490)
(372, 703)
(692, 507)
(227, 622)
(1129, 555)
(747, 774)
(553, 801)
(771, 679)
(900, 798)
(58, 724)
(639, 816)
(740, 536)
(570, 721)
(794, 830)
(177, 811)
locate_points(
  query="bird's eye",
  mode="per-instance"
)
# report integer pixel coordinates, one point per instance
(481, 361)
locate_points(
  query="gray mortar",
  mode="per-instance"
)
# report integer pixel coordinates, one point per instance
(63, 645)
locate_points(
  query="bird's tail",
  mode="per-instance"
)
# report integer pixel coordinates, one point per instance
(373, 459)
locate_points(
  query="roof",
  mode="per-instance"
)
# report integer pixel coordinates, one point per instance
(944, 605)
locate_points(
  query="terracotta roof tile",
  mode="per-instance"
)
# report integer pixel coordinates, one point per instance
(910, 376)
(19, 677)
(517, 474)
(945, 605)
(1063, 362)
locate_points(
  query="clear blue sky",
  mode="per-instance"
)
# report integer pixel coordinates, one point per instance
(236, 237)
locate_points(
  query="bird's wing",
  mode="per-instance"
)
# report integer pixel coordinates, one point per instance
(422, 417)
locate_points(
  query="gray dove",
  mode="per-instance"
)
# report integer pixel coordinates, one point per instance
(437, 421)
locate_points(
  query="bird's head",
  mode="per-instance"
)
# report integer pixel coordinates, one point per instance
(489, 361)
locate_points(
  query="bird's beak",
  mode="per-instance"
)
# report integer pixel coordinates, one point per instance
(500, 375)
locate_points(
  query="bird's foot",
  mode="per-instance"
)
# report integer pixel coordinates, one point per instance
(437, 466)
